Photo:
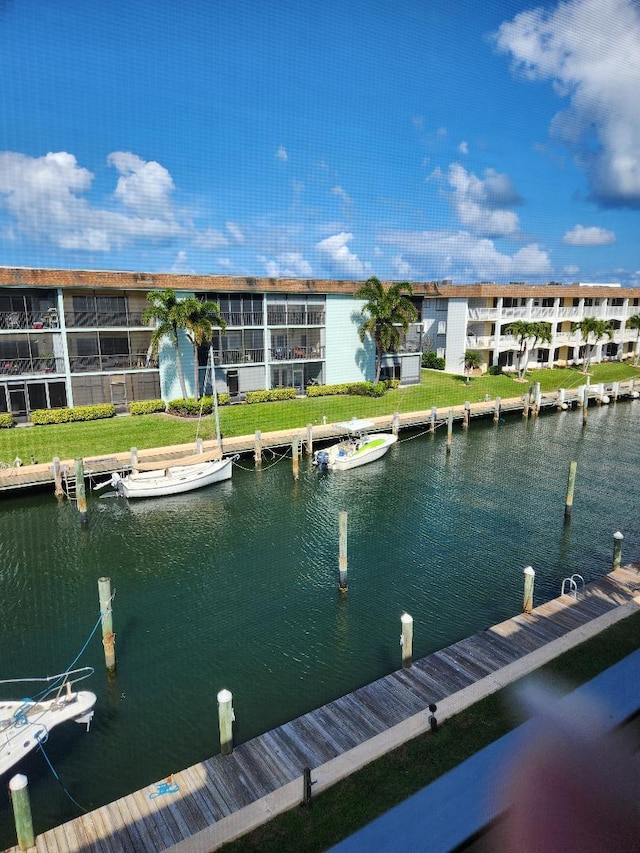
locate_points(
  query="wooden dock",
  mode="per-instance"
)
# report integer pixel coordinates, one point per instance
(202, 807)
(41, 474)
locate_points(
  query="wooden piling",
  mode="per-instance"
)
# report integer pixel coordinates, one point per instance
(449, 431)
(618, 539)
(133, 453)
(615, 390)
(257, 451)
(58, 491)
(199, 444)
(295, 457)
(306, 786)
(497, 411)
(434, 415)
(22, 811)
(406, 640)
(585, 405)
(225, 721)
(309, 439)
(537, 399)
(395, 423)
(529, 579)
(467, 412)
(81, 494)
(571, 484)
(525, 407)
(342, 557)
(106, 613)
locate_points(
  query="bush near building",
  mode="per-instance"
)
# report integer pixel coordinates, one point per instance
(432, 360)
(40, 417)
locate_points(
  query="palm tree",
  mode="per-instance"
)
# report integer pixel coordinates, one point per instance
(472, 360)
(634, 323)
(592, 331)
(525, 331)
(169, 318)
(200, 318)
(388, 311)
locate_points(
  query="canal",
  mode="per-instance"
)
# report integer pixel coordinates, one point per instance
(236, 586)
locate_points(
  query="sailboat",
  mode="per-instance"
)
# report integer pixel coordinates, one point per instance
(26, 723)
(159, 479)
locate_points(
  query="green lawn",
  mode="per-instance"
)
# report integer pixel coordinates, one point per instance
(97, 438)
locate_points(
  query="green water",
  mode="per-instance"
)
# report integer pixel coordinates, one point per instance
(236, 586)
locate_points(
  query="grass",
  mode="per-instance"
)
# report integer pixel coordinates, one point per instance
(354, 802)
(98, 438)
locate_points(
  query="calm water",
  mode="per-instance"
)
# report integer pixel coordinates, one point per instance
(236, 586)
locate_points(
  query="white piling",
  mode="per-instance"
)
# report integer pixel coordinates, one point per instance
(529, 579)
(226, 717)
(406, 640)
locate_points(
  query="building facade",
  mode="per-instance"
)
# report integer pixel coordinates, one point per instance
(76, 337)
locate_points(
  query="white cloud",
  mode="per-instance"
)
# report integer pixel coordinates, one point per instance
(287, 265)
(210, 238)
(482, 204)
(571, 270)
(463, 148)
(236, 232)
(462, 254)
(143, 187)
(590, 51)
(336, 249)
(401, 267)
(281, 154)
(45, 198)
(592, 235)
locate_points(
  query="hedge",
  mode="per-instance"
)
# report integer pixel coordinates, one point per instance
(355, 389)
(271, 396)
(6, 421)
(146, 407)
(193, 408)
(39, 417)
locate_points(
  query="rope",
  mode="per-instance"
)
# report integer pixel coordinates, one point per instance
(53, 770)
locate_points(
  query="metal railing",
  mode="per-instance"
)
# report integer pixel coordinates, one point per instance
(122, 361)
(99, 319)
(29, 319)
(21, 366)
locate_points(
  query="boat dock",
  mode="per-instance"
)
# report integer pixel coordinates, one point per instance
(198, 809)
(41, 475)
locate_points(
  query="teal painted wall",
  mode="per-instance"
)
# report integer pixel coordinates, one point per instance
(347, 359)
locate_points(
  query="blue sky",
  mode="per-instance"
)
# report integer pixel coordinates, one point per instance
(407, 139)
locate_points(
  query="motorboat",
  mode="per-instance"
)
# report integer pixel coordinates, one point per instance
(173, 478)
(27, 723)
(357, 448)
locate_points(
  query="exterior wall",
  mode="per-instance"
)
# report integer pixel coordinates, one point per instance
(456, 335)
(347, 359)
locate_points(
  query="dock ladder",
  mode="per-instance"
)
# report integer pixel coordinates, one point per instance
(69, 483)
(570, 585)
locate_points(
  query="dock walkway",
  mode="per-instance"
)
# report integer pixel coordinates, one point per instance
(219, 799)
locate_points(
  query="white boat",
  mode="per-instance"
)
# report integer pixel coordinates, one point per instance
(27, 723)
(160, 479)
(174, 478)
(357, 448)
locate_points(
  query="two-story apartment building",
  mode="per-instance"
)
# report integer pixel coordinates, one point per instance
(73, 337)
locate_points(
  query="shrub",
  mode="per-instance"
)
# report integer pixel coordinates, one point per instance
(39, 417)
(273, 395)
(433, 360)
(326, 390)
(6, 421)
(146, 407)
(366, 389)
(194, 408)
(391, 383)
(495, 370)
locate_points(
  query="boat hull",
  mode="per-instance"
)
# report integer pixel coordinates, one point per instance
(25, 724)
(345, 455)
(175, 480)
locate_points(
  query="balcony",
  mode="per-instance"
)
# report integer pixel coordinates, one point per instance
(101, 319)
(296, 353)
(29, 319)
(281, 317)
(239, 356)
(242, 318)
(30, 366)
(482, 314)
(121, 361)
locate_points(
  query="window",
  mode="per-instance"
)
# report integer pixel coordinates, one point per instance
(441, 304)
(442, 327)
